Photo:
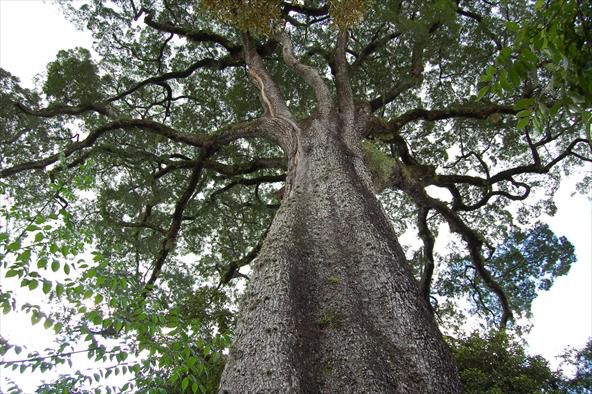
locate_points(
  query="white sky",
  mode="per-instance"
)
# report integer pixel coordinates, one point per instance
(31, 33)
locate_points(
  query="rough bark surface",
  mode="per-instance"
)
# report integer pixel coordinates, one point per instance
(332, 306)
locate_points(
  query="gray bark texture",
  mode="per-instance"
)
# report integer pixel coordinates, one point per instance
(332, 306)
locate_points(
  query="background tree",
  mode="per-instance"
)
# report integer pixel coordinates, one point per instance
(186, 121)
(497, 363)
(581, 360)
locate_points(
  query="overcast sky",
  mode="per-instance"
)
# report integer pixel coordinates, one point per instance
(31, 33)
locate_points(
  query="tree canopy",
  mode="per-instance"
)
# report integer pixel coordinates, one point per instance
(139, 179)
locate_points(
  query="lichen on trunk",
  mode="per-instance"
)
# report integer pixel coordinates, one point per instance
(332, 306)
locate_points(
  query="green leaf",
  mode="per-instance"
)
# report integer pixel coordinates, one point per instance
(482, 92)
(55, 266)
(38, 237)
(35, 318)
(42, 263)
(522, 123)
(524, 103)
(46, 286)
(67, 269)
(33, 284)
(40, 219)
(98, 299)
(185, 383)
(11, 273)
(59, 289)
(14, 246)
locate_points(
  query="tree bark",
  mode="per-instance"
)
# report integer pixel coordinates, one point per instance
(332, 306)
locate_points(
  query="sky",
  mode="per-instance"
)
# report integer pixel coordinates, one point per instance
(31, 33)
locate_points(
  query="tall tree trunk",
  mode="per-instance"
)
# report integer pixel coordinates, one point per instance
(332, 306)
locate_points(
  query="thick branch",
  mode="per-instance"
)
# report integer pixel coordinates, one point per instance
(269, 93)
(60, 109)
(192, 35)
(168, 243)
(249, 182)
(428, 253)
(474, 111)
(310, 75)
(345, 95)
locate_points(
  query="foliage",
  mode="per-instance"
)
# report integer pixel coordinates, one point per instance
(556, 35)
(497, 363)
(525, 264)
(581, 360)
(73, 78)
(136, 186)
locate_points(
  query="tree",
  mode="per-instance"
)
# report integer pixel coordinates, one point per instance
(165, 152)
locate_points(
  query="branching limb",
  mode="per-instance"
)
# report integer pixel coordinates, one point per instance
(168, 243)
(414, 75)
(246, 168)
(415, 189)
(450, 181)
(208, 63)
(310, 75)
(375, 44)
(226, 135)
